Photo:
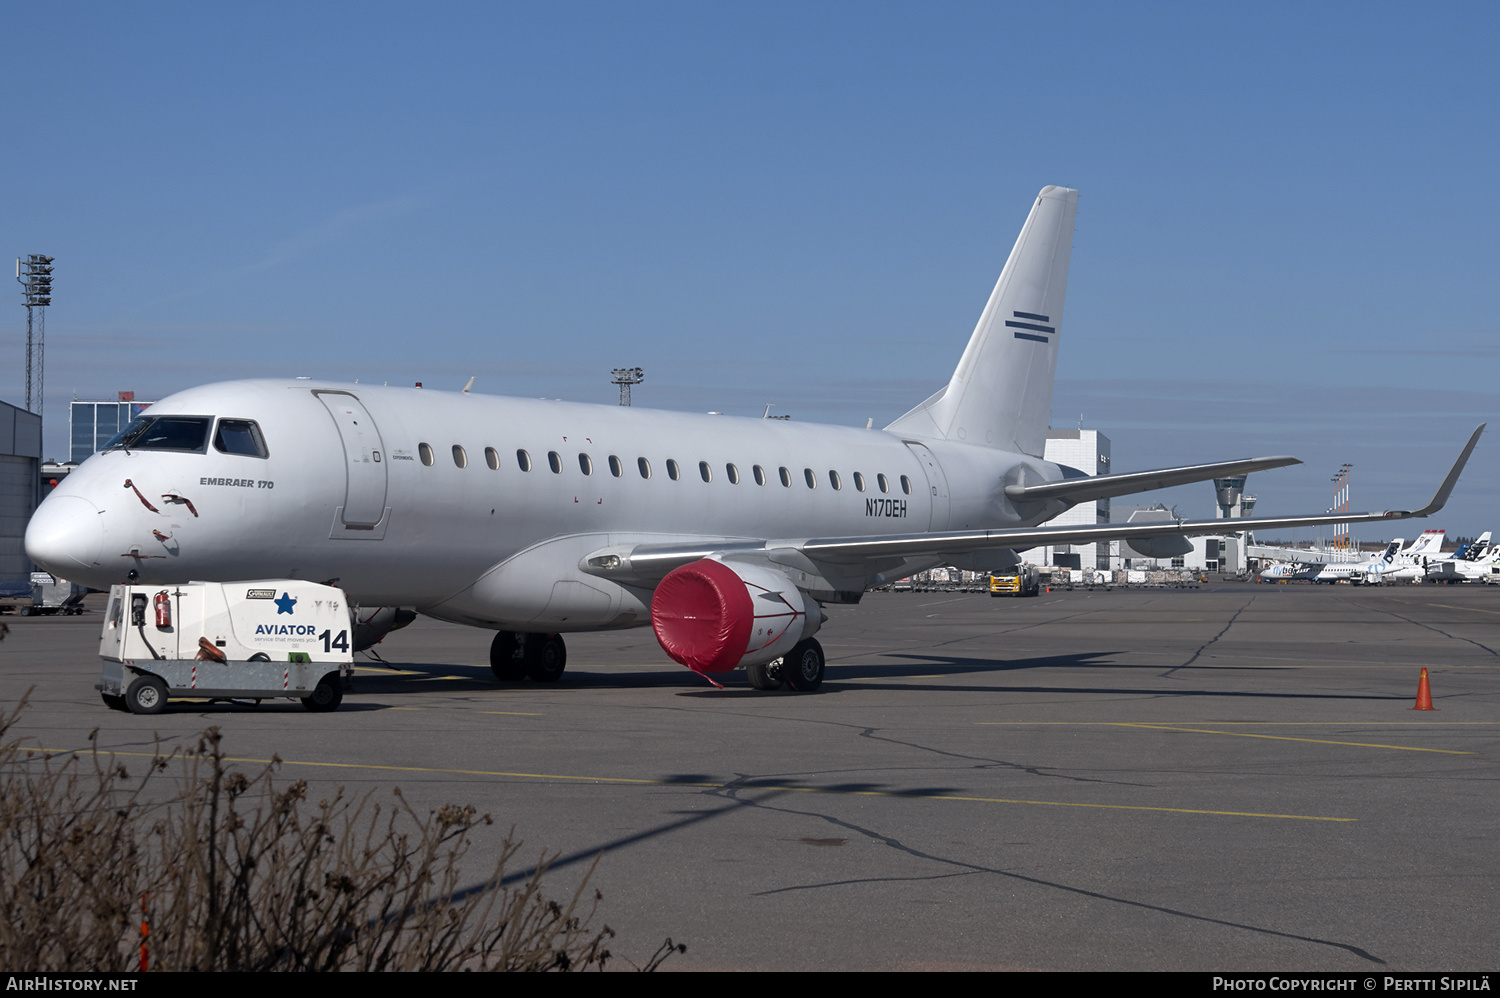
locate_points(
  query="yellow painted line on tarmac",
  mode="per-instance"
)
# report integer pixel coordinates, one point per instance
(580, 665)
(648, 665)
(1145, 617)
(1288, 738)
(742, 786)
(1245, 734)
(511, 713)
(1310, 724)
(1476, 609)
(412, 673)
(1292, 663)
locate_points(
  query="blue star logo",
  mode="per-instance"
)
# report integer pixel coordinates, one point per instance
(285, 604)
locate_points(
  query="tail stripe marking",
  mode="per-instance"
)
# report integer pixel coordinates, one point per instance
(1032, 315)
(1028, 325)
(1032, 336)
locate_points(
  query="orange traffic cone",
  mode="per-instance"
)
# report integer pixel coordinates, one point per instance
(1424, 693)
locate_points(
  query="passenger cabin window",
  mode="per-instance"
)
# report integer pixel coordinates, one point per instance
(673, 472)
(615, 467)
(859, 482)
(809, 476)
(554, 461)
(885, 486)
(705, 472)
(460, 456)
(786, 478)
(760, 475)
(733, 473)
(644, 466)
(180, 433)
(906, 485)
(424, 451)
(492, 458)
(585, 464)
(834, 480)
(242, 436)
(524, 460)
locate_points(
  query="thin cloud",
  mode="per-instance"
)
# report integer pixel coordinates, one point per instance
(309, 240)
(327, 232)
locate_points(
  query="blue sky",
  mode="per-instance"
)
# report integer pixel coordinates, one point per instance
(1286, 235)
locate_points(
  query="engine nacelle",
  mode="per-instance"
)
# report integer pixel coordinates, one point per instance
(714, 617)
(373, 623)
(1160, 546)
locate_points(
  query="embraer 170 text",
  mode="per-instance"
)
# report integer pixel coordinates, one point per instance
(535, 518)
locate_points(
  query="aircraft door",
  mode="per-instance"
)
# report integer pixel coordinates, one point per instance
(937, 485)
(364, 460)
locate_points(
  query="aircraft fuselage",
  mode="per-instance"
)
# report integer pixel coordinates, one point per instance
(462, 505)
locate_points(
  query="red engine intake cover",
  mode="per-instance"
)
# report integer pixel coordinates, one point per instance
(702, 616)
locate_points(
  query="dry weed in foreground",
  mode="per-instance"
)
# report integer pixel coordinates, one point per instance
(225, 871)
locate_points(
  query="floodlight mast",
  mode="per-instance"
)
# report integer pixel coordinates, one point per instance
(35, 277)
(1341, 538)
(625, 377)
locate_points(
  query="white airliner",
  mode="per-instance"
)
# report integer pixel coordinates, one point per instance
(1473, 562)
(1292, 572)
(1395, 564)
(535, 518)
(1391, 565)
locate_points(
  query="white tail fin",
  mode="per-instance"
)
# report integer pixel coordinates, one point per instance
(1430, 543)
(1001, 394)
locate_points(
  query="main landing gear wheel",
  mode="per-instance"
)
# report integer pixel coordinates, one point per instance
(326, 696)
(147, 695)
(506, 661)
(546, 657)
(803, 666)
(765, 677)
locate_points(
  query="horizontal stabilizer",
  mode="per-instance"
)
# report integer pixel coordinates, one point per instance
(1077, 490)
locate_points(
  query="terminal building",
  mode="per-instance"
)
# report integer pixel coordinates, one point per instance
(20, 491)
(1224, 553)
(92, 423)
(1088, 451)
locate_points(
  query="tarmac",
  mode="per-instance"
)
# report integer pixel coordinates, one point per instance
(1222, 779)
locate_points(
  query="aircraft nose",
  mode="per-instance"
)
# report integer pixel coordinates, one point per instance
(65, 535)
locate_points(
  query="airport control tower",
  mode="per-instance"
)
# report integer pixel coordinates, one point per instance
(1232, 504)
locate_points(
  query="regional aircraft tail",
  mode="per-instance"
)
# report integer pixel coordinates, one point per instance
(1429, 544)
(1001, 394)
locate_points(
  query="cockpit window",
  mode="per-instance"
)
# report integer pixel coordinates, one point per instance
(239, 436)
(177, 433)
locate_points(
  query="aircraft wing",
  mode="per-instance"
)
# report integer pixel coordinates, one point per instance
(645, 564)
(1077, 490)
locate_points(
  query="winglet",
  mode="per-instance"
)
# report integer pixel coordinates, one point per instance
(1446, 489)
